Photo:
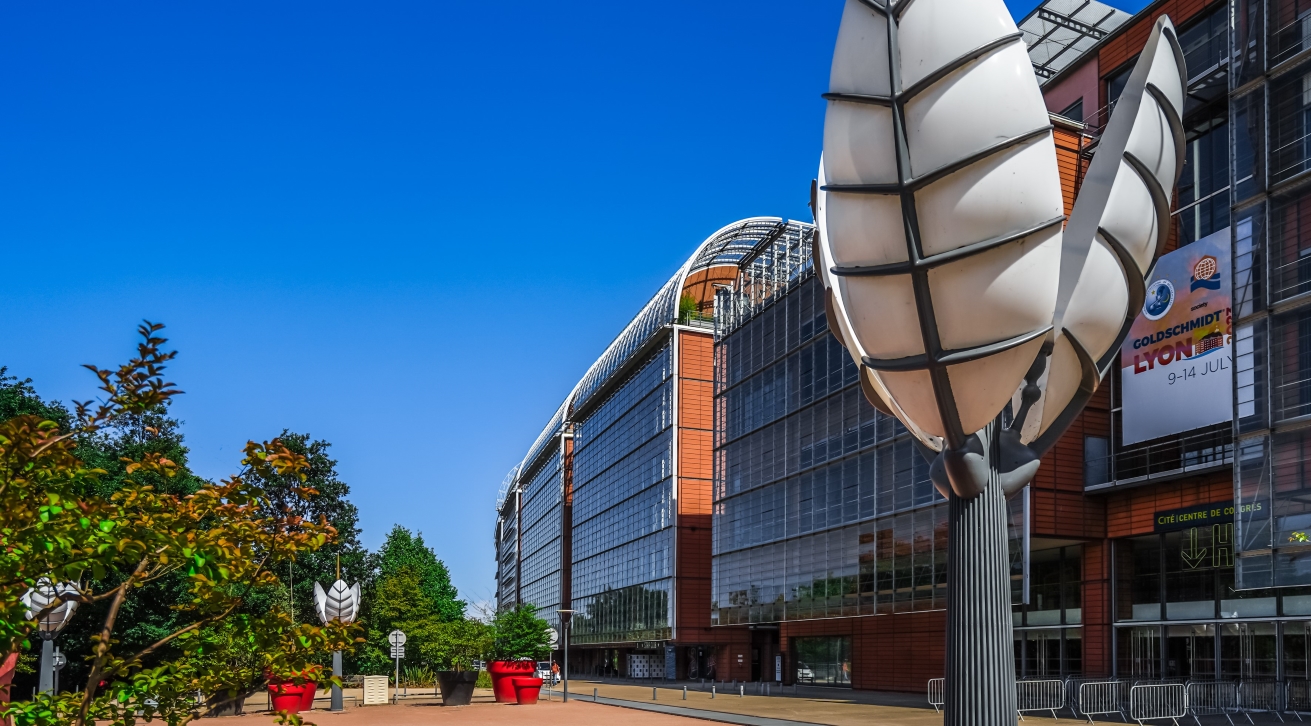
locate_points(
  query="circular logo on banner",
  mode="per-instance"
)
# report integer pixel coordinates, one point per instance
(1205, 268)
(1160, 296)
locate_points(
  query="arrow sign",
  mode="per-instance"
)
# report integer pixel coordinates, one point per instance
(1194, 556)
(552, 637)
(398, 651)
(396, 637)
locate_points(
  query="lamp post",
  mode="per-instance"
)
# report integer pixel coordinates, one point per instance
(341, 603)
(45, 604)
(566, 616)
(979, 315)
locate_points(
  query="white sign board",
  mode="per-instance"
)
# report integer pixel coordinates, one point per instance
(1175, 365)
(552, 637)
(396, 637)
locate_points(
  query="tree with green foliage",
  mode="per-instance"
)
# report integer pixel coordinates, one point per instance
(520, 634)
(56, 521)
(412, 592)
(454, 646)
(327, 500)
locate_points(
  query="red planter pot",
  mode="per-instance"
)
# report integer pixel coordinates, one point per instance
(288, 697)
(502, 671)
(526, 690)
(307, 695)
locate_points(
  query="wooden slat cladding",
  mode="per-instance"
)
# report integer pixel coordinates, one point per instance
(695, 481)
(1133, 512)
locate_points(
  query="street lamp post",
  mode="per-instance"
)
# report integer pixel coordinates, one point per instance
(45, 603)
(339, 602)
(566, 616)
(977, 314)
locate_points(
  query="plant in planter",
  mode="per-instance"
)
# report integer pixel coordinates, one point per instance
(454, 646)
(520, 639)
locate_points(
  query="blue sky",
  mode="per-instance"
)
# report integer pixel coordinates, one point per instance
(406, 228)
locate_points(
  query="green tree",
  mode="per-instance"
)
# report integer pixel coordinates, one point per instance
(326, 501)
(55, 522)
(520, 634)
(412, 592)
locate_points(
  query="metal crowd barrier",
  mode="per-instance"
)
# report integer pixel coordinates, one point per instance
(1158, 700)
(1297, 696)
(1039, 696)
(937, 693)
(1212, 698)
(1260, 697)
(1101, 698)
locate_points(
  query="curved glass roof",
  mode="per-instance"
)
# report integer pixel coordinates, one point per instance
(728, 246)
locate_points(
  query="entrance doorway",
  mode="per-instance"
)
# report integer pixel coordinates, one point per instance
(1190, 652)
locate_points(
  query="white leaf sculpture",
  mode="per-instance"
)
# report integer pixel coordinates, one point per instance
(340, 602)
(951, 276)
(44, 595)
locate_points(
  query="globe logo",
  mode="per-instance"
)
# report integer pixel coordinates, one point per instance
(1160, 296)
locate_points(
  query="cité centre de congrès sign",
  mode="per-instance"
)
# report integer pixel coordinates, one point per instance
(1176, 370)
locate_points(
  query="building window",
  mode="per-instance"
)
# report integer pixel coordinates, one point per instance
(1203, 204)
(1115, 84)
(823, 661)
(1290, 122)
(1074, 111)
(1290, 365)
(1249, 144)
(1138, 578)
(1249, 376)
(1096, 460)
(1205, 42)
(1249, 243)
(1290, 28)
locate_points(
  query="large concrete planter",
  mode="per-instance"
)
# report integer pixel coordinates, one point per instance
(456, 687)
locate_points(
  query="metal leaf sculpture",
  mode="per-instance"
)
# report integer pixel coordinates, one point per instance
(950, 273)
(45, 595)
(340, 602)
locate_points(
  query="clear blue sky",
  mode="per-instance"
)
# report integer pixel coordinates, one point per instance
(406, 228)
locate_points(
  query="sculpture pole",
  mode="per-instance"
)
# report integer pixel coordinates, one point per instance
(47, 680)
(341, 603)
(980, 672)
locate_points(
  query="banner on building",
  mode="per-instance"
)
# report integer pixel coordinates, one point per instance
(1175, 363)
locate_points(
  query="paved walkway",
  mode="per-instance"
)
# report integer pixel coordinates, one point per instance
(827, 708)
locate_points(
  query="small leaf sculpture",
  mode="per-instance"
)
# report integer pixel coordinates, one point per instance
(340, 602)
(45, 598)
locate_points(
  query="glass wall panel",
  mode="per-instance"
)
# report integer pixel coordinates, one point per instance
(1290, 28)
(623, 511)
(823, 661)
(1297, 650)
(1205, 42)
(1138, 578)
(1248, 651)
(1248, 112)
(1190, 652)
(1203, 199)
(1290, 122)
(1138, 651)
(1248, 59)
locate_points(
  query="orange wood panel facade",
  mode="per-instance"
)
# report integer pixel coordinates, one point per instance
(695, 476)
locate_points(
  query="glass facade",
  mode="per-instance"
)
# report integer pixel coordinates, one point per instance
(823, 661)
(1270, 124)
(507, 553)
(623, 516)
(822, 506)
(542, 521)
